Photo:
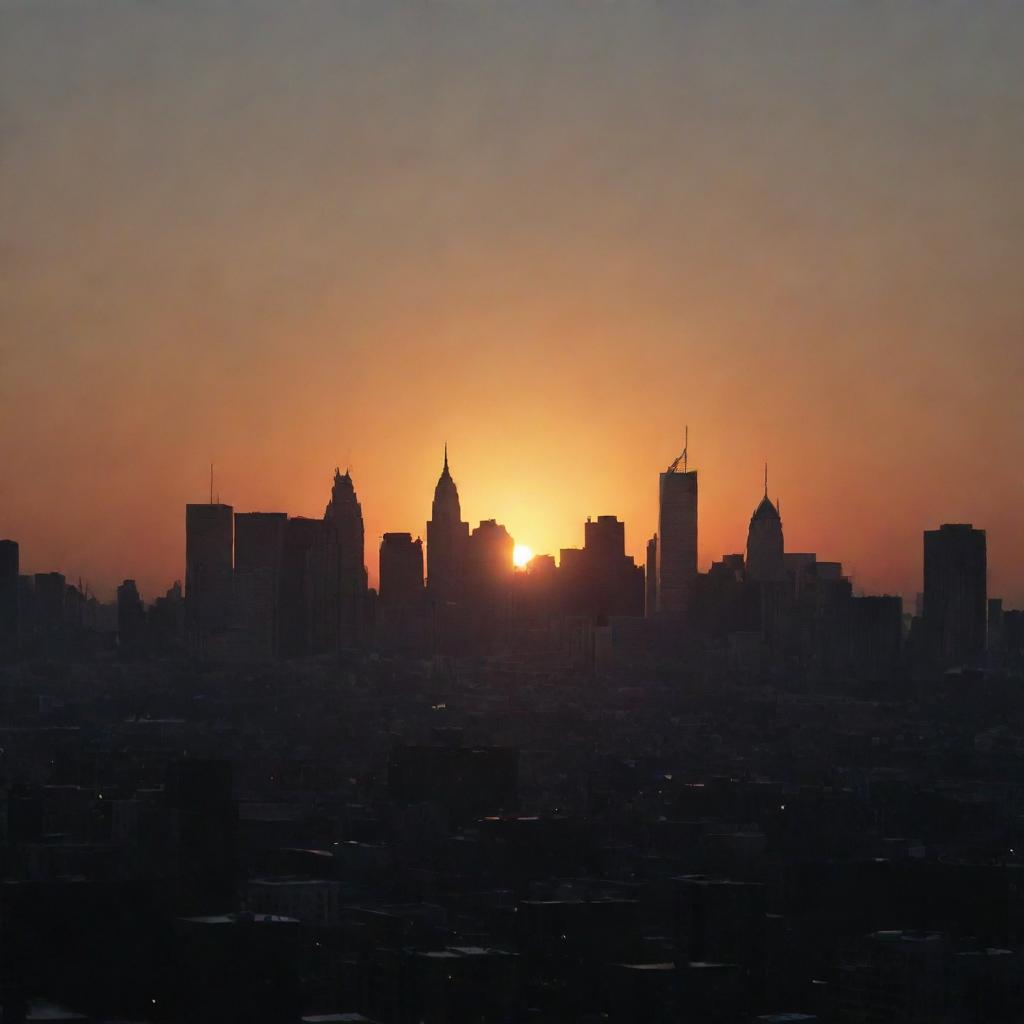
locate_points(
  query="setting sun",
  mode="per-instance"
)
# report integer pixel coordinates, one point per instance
(521, 555)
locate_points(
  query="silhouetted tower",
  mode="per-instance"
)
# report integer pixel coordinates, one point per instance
(651, 578)
(447, 540)
(208, 571)
(259, 560)
(677, 539)
(401, 570)
(131, 620)
(344, 515)
(9, 560)
(955, 594)
(489, 562)
(765, 547)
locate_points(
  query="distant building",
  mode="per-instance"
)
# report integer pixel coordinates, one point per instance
(876, 636)
(259, 556)
(401, 570)
(955, 594)
(49, 603)
(601, 580)
(651, 579)
(344, 516)
(677, 542)
(489, 559)
(765, 546)
(447, 540)
(309, 611)
(208, 572)
(8, 594)
(131, 620)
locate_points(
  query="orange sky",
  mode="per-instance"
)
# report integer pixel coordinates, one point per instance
(285, 237)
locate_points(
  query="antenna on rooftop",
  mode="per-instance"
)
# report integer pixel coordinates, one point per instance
(683, 456)
(211, 483)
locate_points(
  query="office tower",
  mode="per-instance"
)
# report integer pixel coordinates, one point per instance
(8, 594)
(677, 541)
(310, 614)
(259, 541)
(401, 570)
(489, 558)
(875, 636)
(995, 626)
(131, 620)
(259, 550)
(208, 572)
(49, 598)
(601, 580)
(447, 540)
(955, 594)
(651, 577)
(765, 547)
(344, 517)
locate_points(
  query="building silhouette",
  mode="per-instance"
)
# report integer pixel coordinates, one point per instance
(401, 570)
(651, 577)
(677, 542)
(131, 621)
(9, 567)
(447, 540)
(765, 546)
(208, 573)
(600, 580)
(489, 560)
(347, 571)
(259, 556)
(309, 607)
(955, 594)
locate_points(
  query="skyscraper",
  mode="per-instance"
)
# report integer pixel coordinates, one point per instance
(447, 540)
(131, 620)
(489, 558)
(309, 616)
(765, 547)
(651, 577)
(8, 594)
(677, 540)
(601, 580)
(955, 594)
(208, 571)
(401, 570)
(259, 554)
(344, 516)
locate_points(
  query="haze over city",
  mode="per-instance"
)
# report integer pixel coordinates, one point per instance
(287, 237)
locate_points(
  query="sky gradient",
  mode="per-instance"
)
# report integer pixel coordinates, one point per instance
(289, 236)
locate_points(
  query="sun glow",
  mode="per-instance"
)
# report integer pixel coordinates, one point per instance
(521, 555)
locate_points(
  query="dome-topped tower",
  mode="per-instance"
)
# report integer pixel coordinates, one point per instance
(447, 537)
(765, 544)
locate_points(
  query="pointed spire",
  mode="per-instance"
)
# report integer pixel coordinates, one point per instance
(766, 479)
(446, 456)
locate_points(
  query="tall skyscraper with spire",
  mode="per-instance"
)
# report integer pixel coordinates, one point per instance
(766, 561)
(447, 540)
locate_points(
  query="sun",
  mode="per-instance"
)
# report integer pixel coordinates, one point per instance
(521, 554)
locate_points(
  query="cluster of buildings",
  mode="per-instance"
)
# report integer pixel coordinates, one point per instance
(266, 585)
(503, 839)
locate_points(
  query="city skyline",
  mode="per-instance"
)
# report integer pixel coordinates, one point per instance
(550, 235)
(636, 543)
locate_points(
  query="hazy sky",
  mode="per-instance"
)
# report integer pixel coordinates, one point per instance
(285, 236)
